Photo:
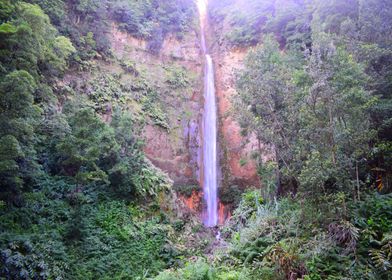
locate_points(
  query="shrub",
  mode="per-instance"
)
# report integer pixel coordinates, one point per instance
(186, 190)
(230, 195)
(130, 67)
(177, 77)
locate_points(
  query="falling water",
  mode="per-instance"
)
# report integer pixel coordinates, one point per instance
(210, 181)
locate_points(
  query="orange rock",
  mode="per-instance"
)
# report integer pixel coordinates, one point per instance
(194, 201)
(237, 147)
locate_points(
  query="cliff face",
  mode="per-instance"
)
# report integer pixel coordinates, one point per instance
(172, 132)
(177, 151)
(162, 90)
(238, 166)
(174, 150)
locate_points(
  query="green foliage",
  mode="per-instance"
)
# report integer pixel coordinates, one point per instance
(177, 77)
(374, 213)
(245, 31)
(78, 199)
(60, 50)
(327, 103)
(55, 9)
(247, 207)
(287, 237)
(230, 195)
(382, 258)
(23, 261)
(11, 153)
(130, 67)
(90, 144)
(17, 89)
(329, 16)
(267, 173)
(265, 104)
(347, 67)
(31, 43)
(97, 238)
(148, 181)
(7, 29)
(105, 90)
(129, 238)
(153, 20)
(186, 190)
(193, 271)
(289, 20)
(132, 15)
(6, 10)
(18, 118)
(154, 111)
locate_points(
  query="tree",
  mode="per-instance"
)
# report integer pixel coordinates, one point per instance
(10, 154)
(60, 49)
(17, 110)
(335, 128)
(55, 9)
(16, 91)
(131, 160)
(18, 116)
(266, 91)
(31, 43)
(89, 150)
(6, 10)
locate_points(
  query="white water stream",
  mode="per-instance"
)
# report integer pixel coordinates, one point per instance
(210, 163)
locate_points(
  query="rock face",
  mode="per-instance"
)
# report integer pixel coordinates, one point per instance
(186, 50)
(175, 151)
(238, 167)
(178, 152)
(237, 164)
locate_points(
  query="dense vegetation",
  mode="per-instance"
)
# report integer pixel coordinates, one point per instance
(316, 89)
(79, 200)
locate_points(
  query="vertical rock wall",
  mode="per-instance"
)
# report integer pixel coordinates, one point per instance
(175, 151)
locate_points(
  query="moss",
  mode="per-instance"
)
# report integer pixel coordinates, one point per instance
(186, 190)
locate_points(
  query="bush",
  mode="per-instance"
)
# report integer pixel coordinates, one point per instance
(186, 190)
(192, 271)
(177, 77)
(230, 195)
(153, 20)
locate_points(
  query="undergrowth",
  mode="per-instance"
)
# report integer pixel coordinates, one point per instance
(290, 239)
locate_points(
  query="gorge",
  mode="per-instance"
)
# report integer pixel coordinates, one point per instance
(195, 139)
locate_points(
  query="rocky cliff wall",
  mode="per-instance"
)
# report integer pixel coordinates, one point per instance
(174, 150)
(170, 79)
(238, 166)
(174, 146)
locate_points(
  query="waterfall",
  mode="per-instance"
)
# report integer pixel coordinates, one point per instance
(210, 163)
